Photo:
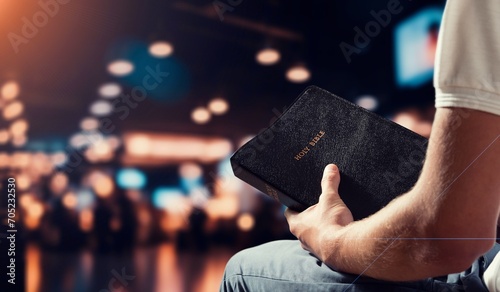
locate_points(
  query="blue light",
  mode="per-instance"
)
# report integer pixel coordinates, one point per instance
(162, 196)
(189, 184)
(130, 178)
(415, 40)
(85, 199)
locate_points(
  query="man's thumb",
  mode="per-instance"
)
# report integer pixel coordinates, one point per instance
(331, 180)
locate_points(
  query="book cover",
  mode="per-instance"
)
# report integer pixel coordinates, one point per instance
(378, 159)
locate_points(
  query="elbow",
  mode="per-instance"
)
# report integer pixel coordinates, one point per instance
(459, 255)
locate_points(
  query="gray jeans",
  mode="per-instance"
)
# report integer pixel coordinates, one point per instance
(284, 266)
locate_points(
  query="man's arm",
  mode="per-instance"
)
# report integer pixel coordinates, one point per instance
(441, 226)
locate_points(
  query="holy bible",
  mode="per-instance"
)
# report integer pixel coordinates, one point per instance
(378, 159)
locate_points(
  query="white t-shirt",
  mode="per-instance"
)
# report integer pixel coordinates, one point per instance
(467, 72)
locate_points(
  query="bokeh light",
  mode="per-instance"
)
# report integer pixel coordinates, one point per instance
(298, 74)
(139, 145)
(103, 186)
(101, 108)
(190, 170)
(130, 178)
(23, 181)
(70, 200)
(89, 124)
(13, 110)
(120, 68)
(218, 106)
(4, 136)
(10, 90)
(368, 102)
(161, 49)
(200, 115)
(162, 196)
(19, 127)
(110, 90)
(268, 57)
(59, 183)
(245, 221)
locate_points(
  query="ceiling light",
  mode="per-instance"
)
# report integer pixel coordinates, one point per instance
(10, 90)
(298, 74)
(268, 57)
(120, 68)
(109, 90)
(13, 110)
(19, 127)
(89, 124)
(161, 49)
(368, 102)
(101, 108)
(200, 115)
(218, 106)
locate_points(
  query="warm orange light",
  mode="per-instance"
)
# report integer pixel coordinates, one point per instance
(86, 220)
(103, 186)
(298, 74)
(120, 68)
(31, 222)
(268, 57)
(218, 150)
(225, 207)
(10, 90)
(23, 181)
(70, 200)
(161, 49)
(25, 200)
(35, 210)
(89, 124)
(19, 127)
(200, 115)
(4, 160)
(109, 90)
(13, 110)
(114, 142)
(139, 145)
(246, 221)
(58, 183)
(20, 160)
(102, 148)
(190, 170)
(218, 106)
(4, 136)
(171, 147)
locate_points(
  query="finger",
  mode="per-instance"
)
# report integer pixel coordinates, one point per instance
(331, 179)
(289, 213)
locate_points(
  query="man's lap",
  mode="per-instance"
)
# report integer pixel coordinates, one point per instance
(285, 266)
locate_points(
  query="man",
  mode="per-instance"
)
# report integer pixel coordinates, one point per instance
(446, 225)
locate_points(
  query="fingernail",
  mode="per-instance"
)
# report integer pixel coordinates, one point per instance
(331, 168)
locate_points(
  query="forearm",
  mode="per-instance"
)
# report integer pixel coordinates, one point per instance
(444, 223)
(389, 245)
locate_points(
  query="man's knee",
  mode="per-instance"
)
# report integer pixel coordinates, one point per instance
(234, 265)
(232, 278)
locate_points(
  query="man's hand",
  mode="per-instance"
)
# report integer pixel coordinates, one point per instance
(330, 214)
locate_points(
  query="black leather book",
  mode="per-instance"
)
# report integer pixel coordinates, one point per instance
(378, 159)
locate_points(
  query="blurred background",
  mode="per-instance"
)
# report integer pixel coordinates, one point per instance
(118, 119)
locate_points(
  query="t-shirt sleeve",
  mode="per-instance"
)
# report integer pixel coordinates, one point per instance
(467, 65)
